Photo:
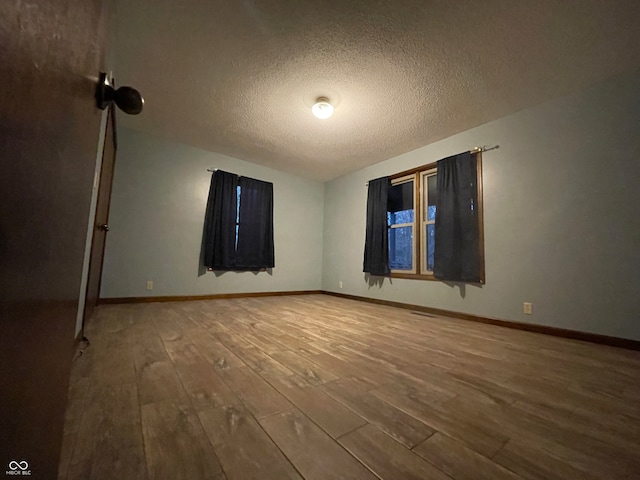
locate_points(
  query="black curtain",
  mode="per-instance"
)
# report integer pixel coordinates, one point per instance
(376, 246)
(457, 255)
(255, 231)
(220, 222)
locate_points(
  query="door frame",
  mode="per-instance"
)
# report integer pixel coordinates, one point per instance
(93, 274)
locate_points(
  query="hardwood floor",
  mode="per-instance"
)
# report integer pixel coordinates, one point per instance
(319, 387)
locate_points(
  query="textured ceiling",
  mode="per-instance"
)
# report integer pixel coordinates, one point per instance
(239, 77)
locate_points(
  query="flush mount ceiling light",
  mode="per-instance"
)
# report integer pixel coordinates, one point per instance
(322, 108)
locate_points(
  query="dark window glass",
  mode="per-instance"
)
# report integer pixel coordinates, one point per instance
(432, 196)
(400, 199)
(238, 190)
(400, 211)
(432, 185)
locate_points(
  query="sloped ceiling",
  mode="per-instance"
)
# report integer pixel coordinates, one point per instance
(239, 77)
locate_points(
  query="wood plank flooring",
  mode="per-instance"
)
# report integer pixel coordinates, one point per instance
(319, 387)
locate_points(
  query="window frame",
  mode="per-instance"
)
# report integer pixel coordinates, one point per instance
(419, 238)
(424, 221)
(414, 258)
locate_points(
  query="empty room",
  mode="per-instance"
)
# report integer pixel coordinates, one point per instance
(320, 240)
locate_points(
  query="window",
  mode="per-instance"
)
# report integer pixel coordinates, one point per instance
(411, 220)
(238, 230)
(401, 223)
(429, 183)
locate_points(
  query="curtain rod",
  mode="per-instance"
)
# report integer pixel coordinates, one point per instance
(483, 149)
(473, 150)
(216, 169)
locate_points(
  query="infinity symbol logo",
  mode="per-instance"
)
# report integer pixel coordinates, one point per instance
(23, 465)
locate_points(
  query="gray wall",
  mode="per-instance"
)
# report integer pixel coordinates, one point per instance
(562, 228)
(157, 212)
(561, 211)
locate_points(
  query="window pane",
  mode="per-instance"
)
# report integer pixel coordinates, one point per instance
(432, 196)
(400, 248)
(238, 190)
(431, 231)
(401, 198)
(431, 212)
(405, 216)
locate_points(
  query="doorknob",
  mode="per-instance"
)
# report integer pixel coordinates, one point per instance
(104, 227)
(127, 99)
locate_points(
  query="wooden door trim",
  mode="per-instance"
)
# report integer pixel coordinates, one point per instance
(111, 123)
(112, 118)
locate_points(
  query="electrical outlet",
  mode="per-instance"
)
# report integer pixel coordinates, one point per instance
(340, 283)
(527, 308)
(149, 284)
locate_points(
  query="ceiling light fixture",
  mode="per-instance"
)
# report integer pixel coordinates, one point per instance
(322, 108)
